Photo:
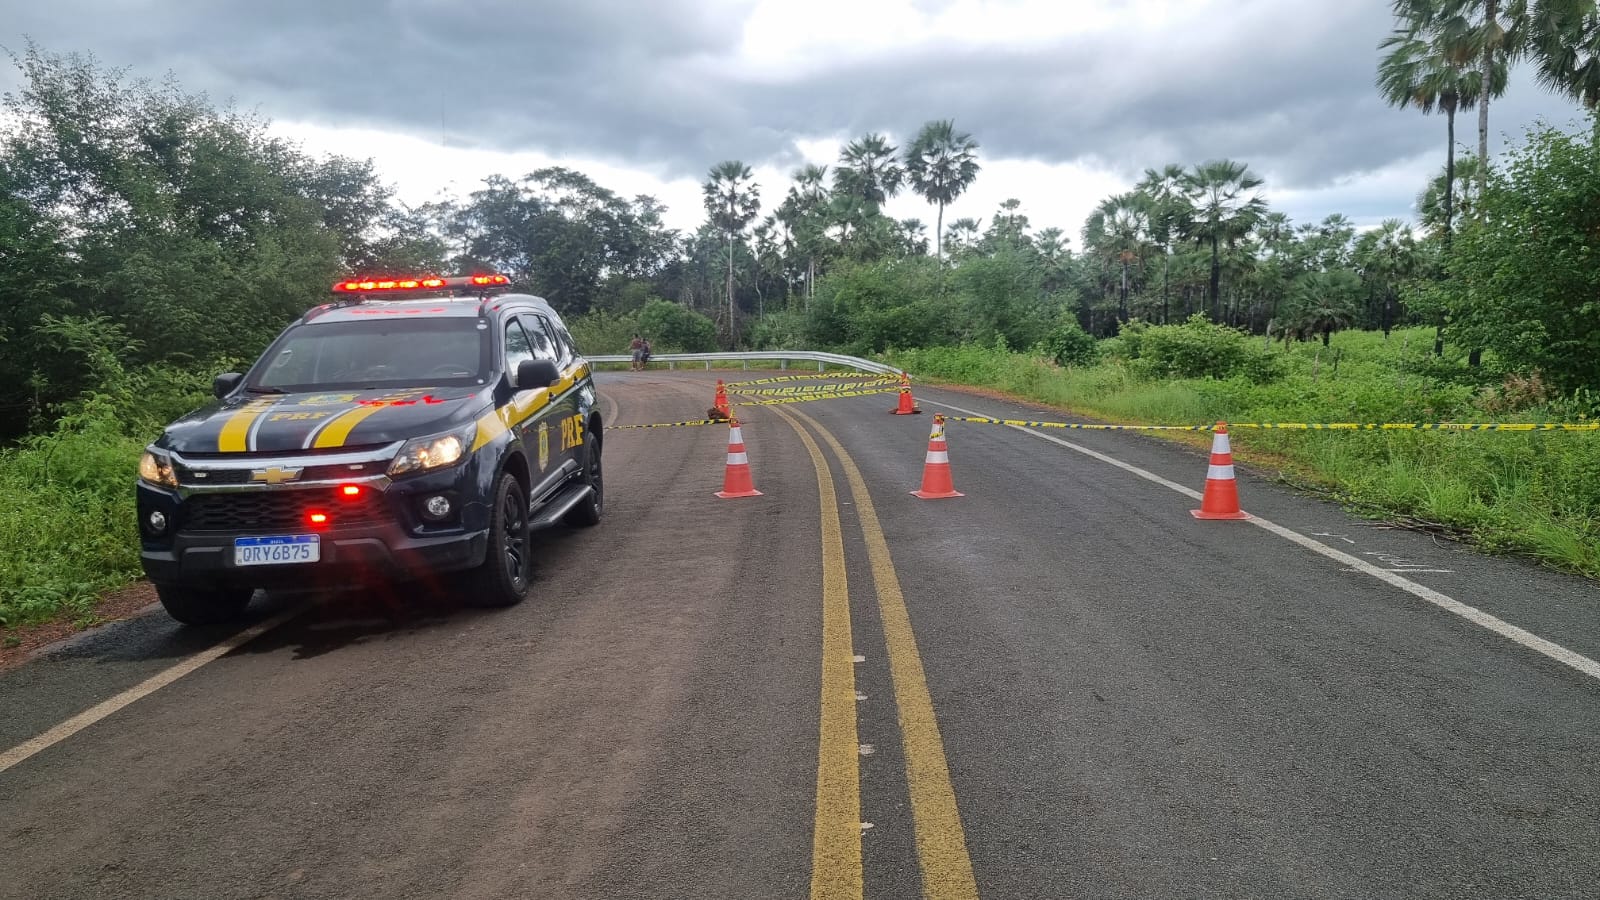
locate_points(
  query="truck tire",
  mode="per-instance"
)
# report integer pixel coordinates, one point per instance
(204, 606)
(502, 579)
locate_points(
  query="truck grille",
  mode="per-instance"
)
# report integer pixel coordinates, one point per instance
(200, 476)
(268, 512)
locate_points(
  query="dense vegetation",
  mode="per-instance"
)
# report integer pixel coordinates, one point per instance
(149, 238)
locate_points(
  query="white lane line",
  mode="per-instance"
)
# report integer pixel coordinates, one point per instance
(143, 689)
(1471, 613)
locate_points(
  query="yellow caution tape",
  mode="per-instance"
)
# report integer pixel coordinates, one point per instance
(669, 424)
(1424, 426)
(808, 389)
(739, 386)
(808, 399)
(1299, 426)
(1081, 426)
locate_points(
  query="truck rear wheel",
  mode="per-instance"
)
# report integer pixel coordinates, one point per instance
(587, 513)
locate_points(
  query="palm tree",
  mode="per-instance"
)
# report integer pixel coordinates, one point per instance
(805, 210)
(1051, 245)
(1386, 258)
(1225, 209)
(913, 235)
(1325, 302)
(1491, 33)
(732, 199)
(868, 170)
(1458, 188)
(963, 234)
(941, 164)
(1563, 37)
(1119, 231)
(1425, 68)
(1171, 208)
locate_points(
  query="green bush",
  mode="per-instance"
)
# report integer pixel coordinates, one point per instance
(1003, 297)
(673, 328)
(1069, 345)
(866, 308)
(70, 533)
(1200, 349)
(602, 333)
(785, 330)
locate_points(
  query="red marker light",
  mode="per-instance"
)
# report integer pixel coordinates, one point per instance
(433, 282)
(350, 490)
(409, 284)
(317, 518)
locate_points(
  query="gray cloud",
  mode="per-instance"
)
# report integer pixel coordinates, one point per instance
(1283, 84)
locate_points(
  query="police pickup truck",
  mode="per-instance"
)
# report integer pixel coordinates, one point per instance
(412, 428)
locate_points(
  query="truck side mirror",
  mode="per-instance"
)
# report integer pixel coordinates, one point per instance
(536, 373)
(224, 384)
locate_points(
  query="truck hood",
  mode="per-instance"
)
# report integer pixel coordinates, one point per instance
(283, 423)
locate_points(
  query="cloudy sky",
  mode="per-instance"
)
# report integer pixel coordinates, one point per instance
(1070, 99)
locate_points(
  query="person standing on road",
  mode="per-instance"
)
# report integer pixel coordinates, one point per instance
(644, 356)
(637, 347)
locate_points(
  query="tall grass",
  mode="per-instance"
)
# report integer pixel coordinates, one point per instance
(69, 532)
(1536, 493)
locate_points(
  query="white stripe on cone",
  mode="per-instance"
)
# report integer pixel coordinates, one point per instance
(1220, 444)
(1220, 473)
(938, 456)
(738, 459)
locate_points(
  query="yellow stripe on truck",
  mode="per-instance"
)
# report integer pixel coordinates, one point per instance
(336, 432)
(493, 424)
(235, 432)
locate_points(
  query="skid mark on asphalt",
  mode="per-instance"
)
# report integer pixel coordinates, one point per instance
(1354, 563)
(1395, 562)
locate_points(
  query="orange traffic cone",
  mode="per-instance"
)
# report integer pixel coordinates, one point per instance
(936, 483)
(908, 406)
(736, 480)
(1221, 499)
(720, 404)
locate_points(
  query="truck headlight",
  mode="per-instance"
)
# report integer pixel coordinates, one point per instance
(157, 469)
(434, 452)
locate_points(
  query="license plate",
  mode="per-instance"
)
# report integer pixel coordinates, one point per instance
(274, 551)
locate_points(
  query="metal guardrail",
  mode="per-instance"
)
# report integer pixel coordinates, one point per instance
(783, 357)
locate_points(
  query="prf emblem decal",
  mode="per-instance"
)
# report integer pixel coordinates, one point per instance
(274, 475)
(544, 445)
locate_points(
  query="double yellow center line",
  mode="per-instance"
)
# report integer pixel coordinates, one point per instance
(836, 846)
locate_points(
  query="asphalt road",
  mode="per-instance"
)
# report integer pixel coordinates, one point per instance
(1058, 686)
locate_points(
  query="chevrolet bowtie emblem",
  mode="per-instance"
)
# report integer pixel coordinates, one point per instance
(274, 475)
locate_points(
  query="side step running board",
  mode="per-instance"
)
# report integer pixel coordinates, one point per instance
(560, 505)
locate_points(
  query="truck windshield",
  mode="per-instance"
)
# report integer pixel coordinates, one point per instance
(439, 352)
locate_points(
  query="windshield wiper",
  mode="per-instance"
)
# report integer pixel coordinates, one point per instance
(266, 390)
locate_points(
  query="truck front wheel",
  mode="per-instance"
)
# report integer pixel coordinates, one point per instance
(502, 580)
